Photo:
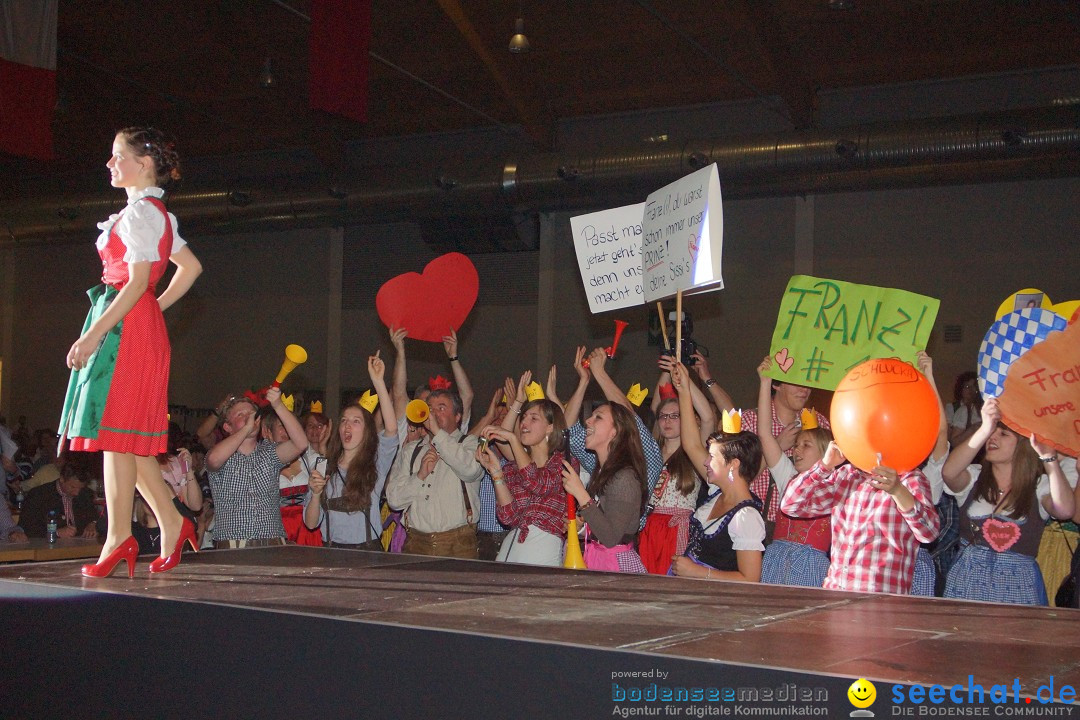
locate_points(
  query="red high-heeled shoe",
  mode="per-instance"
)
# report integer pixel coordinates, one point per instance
(127, 550)
(187, 533)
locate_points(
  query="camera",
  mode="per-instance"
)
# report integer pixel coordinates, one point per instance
(688, 345)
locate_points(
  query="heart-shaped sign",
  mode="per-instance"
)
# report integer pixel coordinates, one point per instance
(1042, 391)
(783, 360)
(430, 304)
(1000, 534)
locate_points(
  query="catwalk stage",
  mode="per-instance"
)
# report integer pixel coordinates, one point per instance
(327, 633)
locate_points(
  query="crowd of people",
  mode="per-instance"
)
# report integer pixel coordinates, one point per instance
(687, 486)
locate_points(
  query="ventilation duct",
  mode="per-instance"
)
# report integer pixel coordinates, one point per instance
(1018, 145)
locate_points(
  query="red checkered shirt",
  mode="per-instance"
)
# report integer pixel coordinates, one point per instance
(873, 543)
(539, 497)
(760, 484)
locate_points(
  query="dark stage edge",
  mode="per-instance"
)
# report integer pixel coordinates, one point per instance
(295, 631)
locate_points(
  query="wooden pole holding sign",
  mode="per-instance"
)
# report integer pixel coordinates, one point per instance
(663, 324)
(678, 326)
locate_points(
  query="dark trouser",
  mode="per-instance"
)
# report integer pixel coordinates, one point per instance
(459, 542)
(490, 543)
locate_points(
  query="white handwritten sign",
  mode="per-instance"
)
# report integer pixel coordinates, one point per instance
(608, 245)
(682, 238)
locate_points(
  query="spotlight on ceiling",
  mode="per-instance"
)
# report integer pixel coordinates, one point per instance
(266, 77)
(519, 43)
(841, 4)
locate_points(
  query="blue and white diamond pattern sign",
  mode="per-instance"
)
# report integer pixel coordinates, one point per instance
(1008, 339)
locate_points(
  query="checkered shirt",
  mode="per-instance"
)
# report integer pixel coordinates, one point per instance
(539, 497)
(874, 544)
(246, 495)
(488, 521)
(760, 484)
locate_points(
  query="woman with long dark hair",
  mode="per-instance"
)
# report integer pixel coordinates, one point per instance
(1004, 504)
(345, 501)
(615, 498)
(117, 398)
(528, 489)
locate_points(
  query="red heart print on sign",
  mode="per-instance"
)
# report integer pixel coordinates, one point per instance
(431, 303)
(783, 360)
(1000, 535)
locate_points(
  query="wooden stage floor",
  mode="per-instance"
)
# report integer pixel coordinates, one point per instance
(813, 635)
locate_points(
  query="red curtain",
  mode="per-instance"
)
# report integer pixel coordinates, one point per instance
(340, 39)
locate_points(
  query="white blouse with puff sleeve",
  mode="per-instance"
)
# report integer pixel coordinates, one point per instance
(141, 226)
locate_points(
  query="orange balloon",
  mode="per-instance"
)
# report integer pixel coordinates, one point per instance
(885, 406)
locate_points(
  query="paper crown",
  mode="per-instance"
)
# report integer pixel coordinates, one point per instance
(369, 401)
(315, 407)
(438, 383)
(636, 394)
(668, 392)
(288, 401)
(533, 391)
(808, 419)
(732, 422)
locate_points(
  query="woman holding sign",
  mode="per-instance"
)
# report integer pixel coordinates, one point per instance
(1004, 504)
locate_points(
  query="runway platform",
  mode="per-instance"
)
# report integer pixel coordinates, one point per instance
(313, 632)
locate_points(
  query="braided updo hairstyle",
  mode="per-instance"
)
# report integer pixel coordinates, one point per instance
(151, 142)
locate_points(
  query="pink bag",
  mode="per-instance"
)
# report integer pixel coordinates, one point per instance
(620, 558)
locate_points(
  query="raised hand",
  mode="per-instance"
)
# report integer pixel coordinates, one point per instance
(376, 367)
(449, 343)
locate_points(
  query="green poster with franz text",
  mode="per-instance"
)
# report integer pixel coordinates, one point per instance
(826, 327)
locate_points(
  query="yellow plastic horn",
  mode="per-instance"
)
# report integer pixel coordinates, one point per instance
(573, 558)
(417, 411)
(294, 355)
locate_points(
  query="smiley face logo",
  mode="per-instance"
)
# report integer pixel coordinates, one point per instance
(862, 693)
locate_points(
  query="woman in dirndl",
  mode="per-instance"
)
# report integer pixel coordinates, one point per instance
(117, 397)
(1004, 504)
(727, 533)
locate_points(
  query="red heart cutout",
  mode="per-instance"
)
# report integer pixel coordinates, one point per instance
(783, 360)
(1000, 535)
(431, 303)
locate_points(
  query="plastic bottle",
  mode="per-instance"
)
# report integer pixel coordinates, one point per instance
(51, 527)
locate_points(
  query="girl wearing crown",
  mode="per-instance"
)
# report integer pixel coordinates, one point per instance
(345, 501)
(118, 393)
(528, 489)
(675, 497)
(727, 532)
(799, 552)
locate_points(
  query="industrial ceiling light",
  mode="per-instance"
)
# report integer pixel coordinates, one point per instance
(519, 43)
(266, 77)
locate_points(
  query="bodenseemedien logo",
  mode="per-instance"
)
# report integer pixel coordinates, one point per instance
(862, 694)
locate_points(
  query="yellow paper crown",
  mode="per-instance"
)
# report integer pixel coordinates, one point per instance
(636, 394)
(733, 421)
(808, 419)
(369, 401)
(288, 401)
(315, 407)
(533, 391)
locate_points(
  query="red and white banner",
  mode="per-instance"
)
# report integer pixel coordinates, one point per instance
(27, 77)
(338, 57)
